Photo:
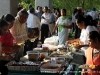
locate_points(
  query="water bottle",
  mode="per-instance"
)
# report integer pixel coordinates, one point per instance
(70, 70)
(39, 45)
(53, 60)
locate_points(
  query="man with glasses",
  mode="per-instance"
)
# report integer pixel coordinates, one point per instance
(19, 30)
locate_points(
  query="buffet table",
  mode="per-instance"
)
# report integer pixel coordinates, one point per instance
(65, 56)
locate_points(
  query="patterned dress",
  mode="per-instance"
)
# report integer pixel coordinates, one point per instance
(7, 41)
(63, 32)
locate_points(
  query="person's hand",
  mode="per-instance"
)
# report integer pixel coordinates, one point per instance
(53, 33)
(31, 34)
(68, 42)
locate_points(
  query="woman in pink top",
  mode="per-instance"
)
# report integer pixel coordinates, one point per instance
(7, 43)
(7, 39)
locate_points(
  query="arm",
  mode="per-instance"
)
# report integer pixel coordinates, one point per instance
(56, 26)
(38, 22)
(16, 32)
(84, 45)
(81, 44)
(47, 18)
(70, 41)
(69, 27)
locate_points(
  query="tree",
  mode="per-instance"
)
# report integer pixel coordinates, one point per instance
(26, 3)
(69, 5)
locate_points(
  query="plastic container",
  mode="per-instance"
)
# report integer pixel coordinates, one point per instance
(50, 68)
(33, 55)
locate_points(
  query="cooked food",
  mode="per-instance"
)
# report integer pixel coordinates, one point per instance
(87, 66)
(42, 56)
(59, 52)
(75, 44)
(84, 66)
(92, 66)
(33, 57)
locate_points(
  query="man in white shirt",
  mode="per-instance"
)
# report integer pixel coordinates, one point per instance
(33, 23)
(19, 30)
(45, 20)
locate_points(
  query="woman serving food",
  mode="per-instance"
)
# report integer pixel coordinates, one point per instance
(83, 24)
(93, 54)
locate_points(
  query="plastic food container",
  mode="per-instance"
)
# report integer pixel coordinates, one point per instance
(33, 55)
(50, 68)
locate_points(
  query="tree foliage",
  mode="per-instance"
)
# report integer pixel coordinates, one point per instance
(26, 3)
(69, 5)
